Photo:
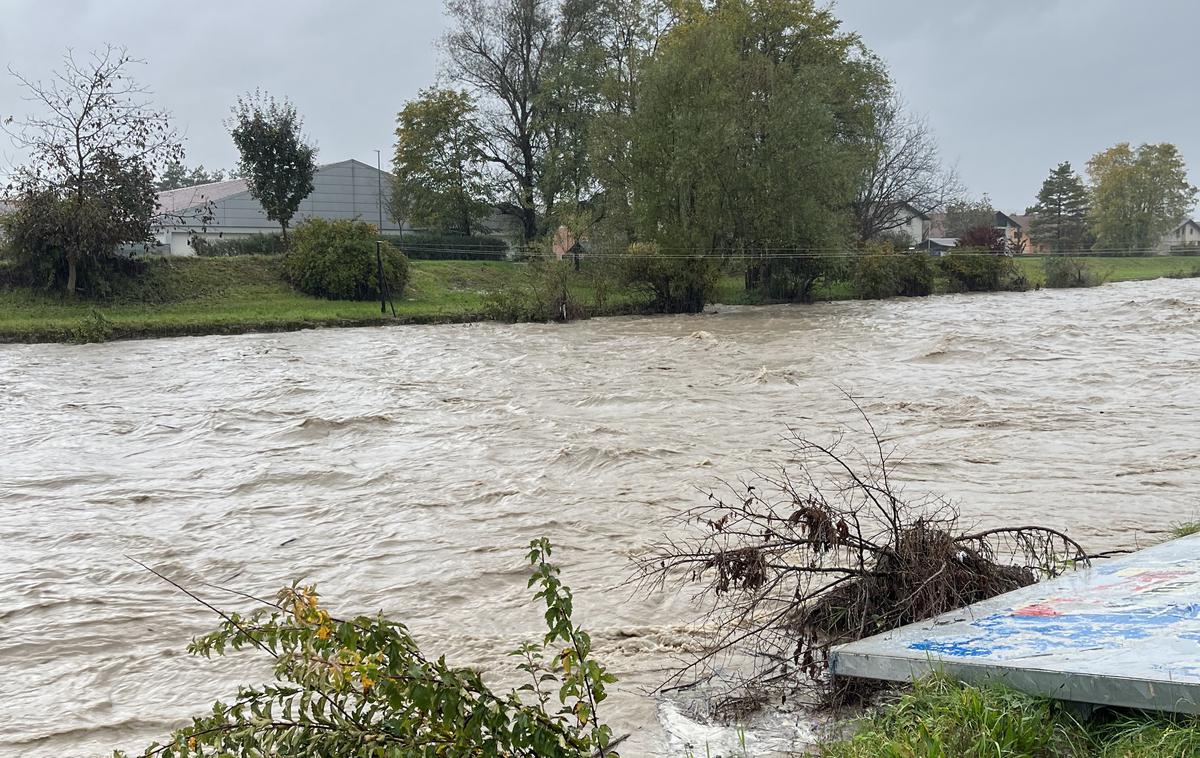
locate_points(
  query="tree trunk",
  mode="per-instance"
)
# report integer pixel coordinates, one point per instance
(71, 276)
(283, 228)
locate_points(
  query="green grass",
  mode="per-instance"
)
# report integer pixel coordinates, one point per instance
(1186, 529)
(940, 718)
(180, 296)
(230, 295)
(1121, 269)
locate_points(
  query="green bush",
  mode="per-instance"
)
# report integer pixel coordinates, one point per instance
(93, 327)
(884, 274)
(255, 244)
(674, 284)
(541, 292)
(973, 270)
(1062, 272)
(425, 246)
(336, 260)
(362, 688)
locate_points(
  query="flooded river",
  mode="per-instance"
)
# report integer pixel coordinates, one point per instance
(406, 469)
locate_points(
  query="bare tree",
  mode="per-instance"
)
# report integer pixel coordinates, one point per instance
(906, 173)
(94, 150)
(516, 56)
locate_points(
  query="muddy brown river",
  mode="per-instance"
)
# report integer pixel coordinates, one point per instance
(406, 469)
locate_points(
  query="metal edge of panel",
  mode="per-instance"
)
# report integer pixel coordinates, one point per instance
(1122, 692)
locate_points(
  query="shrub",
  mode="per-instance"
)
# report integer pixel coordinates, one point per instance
(255, 244)
(974, 270)
(883, 274)
(35, 250)
(1062, 271)
(362, 688)
(450, 247)
(542, 292)
(93, 327)
(675, 284)
(336, 260)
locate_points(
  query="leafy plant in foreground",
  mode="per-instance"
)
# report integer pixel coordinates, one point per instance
(361, 687)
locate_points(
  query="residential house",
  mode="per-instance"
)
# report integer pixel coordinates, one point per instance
(346, 190)
(1185, 235)
(1013, 227)
(908, 221)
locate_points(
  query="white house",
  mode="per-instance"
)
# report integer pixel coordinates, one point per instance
(910, 222)
(347, 190)
(1186, 234)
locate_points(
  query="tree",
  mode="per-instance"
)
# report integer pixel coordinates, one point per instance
(440, 179)
(177, 176)
(905, 172)
(277, 163)
(749, 137)
(532, 66)
(94, 151)
(964, 215)
(1138, 195)
(1061, 211)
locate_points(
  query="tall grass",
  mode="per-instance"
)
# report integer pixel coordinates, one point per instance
(940, 718)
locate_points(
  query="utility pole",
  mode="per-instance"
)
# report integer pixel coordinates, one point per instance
(379, 182)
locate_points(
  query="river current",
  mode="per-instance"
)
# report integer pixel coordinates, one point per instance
(406, 469)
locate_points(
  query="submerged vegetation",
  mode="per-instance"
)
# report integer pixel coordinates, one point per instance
(830, 549)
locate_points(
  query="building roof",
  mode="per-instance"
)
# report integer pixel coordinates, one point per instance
(1184, 223)
(1023, 220)
(185, 198)
(1005, 219)
(915, 211)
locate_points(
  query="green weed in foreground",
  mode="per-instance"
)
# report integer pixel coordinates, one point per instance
(1186, 529)
(941, 718)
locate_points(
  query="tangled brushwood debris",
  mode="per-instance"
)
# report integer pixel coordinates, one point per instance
(829, 550)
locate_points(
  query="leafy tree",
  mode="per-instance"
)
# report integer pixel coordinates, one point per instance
(88, 187)
(748, 139)
(532, 64)
(905, 172)
(964, 215)
(440, 182)
(1062, 208)
(1138, 195)
(177, 176)
(276, 162)
(362, 687)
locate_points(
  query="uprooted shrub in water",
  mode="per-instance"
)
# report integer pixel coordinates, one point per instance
(831, 550)
(359, 688)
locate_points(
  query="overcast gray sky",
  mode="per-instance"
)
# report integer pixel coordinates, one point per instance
(1011, 88)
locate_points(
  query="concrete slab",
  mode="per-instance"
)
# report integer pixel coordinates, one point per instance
(1125, 632)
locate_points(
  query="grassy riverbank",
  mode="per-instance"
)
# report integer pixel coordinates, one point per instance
(939, 717)
(191, 296)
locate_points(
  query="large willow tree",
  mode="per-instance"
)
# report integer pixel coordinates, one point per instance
(749, 137)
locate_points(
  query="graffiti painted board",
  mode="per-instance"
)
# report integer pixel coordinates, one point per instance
(1125, 632)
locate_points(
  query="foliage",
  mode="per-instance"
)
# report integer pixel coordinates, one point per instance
(178, 176)
(1061, 212)
(541, 293)
(976, 270)
(1138, 195)
(940, 717)
(905, 173)
(93, 327)
(532, 65)
(748, 140)
(277, 163)
(87, 189)
(986, 237)
(1062, 271)
(884, 273)
(422, 246)
(829, 550)
(362, 687)
(253, 244)
(675, 283)
(964, 214)
(440, 181)
(337, 260)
